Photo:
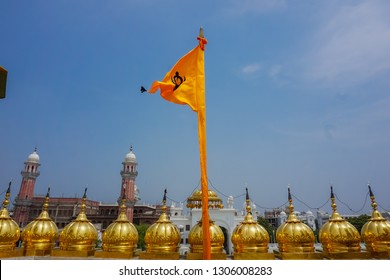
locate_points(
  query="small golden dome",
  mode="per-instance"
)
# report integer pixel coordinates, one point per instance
(121, 235)
(80, 234)
(41, 233)
(249, 236)
(163, 236)
(195, 238)
(9, 229)
(294, 236)
(195, 200)
(376, 232)
(338, 235)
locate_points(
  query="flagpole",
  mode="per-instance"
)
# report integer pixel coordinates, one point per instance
(203, 169)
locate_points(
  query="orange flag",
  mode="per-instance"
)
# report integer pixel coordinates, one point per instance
(185, 84)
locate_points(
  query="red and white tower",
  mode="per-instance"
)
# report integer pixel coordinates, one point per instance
(129, 173)
(23, 201)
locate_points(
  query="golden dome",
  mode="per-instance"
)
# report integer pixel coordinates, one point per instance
(376, 232)
(294, 236)
(41, 233)
(163, 236)
(80, 234)
(338, 235)
(249, 236)
(9, 229)
(195, 200)
(195, 238)
(121, 235)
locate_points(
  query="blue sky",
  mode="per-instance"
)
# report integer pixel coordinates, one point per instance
(297, 93)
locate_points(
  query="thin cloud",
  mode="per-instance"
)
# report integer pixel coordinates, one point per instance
(352, 46)
(251, 69)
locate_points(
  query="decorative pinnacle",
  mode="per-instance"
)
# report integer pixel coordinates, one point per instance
(46, 204)
(334, 206)
(123, 205)
(248, 202)
(373, 203)
(290, 207)
(131, 148)
(164, 207)
(84, 201)
(7, 195)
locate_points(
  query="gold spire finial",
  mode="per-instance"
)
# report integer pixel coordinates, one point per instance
(84, 201)
(46, 204)
(123, 204)
(334, 206)
(7, 195)
(373, 203)
(248, 202)
(291, 206)
(164, 207)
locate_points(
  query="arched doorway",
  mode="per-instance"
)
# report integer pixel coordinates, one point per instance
(226, 242)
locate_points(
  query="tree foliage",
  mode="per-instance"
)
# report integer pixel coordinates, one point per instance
(264, 223)
(141, 235)
(358, 222)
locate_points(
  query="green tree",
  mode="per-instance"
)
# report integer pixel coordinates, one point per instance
(141, 235)
(358, 222)
(264, 223)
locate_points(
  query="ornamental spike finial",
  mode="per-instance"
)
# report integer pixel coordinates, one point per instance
(373, 203)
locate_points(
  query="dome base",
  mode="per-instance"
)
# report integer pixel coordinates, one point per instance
(77, 254)
(253, 256)
(300, 256)
(11, 253)
(159, 255)
(36, 252)
(114, 255)
(346, 256)
(199, 256)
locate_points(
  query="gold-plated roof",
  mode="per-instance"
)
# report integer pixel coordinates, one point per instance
(195, 200)
(121, 235)
(195, 238)
(9, 229)
(80, 234)
(376, 232)
(163, 236)
(338, 235)
(294, 236)
(42, 232)
(249, 236)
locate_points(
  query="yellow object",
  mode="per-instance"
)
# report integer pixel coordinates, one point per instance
(185, 84)
(376, 232)
(339, 238)
(249, 236)
(79, 235)
(295, 239)
(162, 238)
(195, 200)
(39, 236)
(9, 229)
(121, 235)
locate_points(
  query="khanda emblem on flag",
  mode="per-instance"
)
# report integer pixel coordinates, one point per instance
(177, 80)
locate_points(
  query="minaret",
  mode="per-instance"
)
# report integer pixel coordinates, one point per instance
(23, 200)
(129, 173)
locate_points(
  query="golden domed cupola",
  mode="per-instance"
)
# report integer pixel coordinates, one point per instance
(162, 238)
(78, 238)
(9, 229)
(295, 239)
(195, 200)
(250, 240)
(376, 232)
(339, 238)
(39, 236)
(195, 236)
(121, 237)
